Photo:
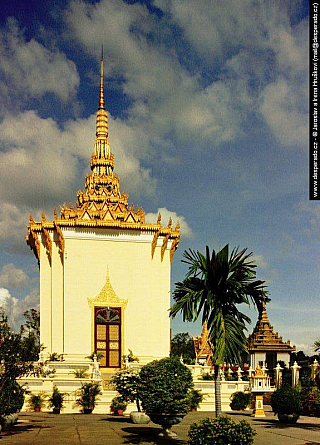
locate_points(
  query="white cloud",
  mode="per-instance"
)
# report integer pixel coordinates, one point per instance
(14, 308)
(42, 165)
(30, 69)
(259, 261)
(12, 223)
(263, 58)
(44, 159)
(313, 224)
(13, 276)
(167, 99)
(166, 214)
(284, 116)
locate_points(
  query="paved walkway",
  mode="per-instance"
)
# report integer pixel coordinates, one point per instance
(97, 429)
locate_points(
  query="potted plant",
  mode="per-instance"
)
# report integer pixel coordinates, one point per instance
(118, 405)
(88, 394)
(286, 402)
(81, 373)
(163, 390)
(221, 430)
(56, 401)
(36, 401)
(195, 397)
(240, 400)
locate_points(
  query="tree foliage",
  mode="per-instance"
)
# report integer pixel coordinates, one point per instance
(182, 346)
(215, 285)
(18, 352)
(126, 382)
(213, 288)
(164, 386)
(286, 400)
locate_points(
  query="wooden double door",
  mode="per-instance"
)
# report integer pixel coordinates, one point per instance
(108, 336)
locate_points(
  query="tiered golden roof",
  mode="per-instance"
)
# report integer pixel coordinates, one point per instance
(202, 345)
(101, 204)
(263, 338)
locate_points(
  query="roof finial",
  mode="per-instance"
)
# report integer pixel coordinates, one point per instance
(101, 96)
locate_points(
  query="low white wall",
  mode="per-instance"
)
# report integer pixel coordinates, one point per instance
(69, 385)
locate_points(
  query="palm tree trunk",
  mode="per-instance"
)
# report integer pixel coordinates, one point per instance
(217, 390)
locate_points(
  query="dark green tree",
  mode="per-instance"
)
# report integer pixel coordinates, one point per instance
(32, 323)
(215, 285)
(18, 352)
(182, 346)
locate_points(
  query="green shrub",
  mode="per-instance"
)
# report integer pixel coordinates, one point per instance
(286, 400)
(126, 382)
(305, 380)
(195, 397)
(220, 431)
(240, 400)
(164, 386)
(11, 398)
(207, 376)
(311, 402)
(118, 403)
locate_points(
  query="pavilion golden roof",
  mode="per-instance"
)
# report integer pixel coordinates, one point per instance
(101, 204)
(202, 345)
(264, 338)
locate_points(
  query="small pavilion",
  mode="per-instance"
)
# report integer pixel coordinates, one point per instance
(266, 346)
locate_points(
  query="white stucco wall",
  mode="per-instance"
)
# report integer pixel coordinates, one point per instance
(66, 318)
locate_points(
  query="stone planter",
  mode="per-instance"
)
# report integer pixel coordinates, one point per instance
(288, 418)
(166, 421)
(87, 410)
(56, 411)
(10, 420)
(37, 409)
(139, 417)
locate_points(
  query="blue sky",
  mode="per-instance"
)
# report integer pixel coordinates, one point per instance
(208, 118)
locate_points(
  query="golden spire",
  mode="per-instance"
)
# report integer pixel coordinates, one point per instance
(102, 117)
(263, 316)
(102, 161)
(101, 96)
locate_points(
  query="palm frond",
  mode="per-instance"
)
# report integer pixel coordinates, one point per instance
(214, 286)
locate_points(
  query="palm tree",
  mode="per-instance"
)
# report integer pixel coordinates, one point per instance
(213, 288)
(316, 346)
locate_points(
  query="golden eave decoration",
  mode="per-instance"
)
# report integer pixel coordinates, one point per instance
(107, 297)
